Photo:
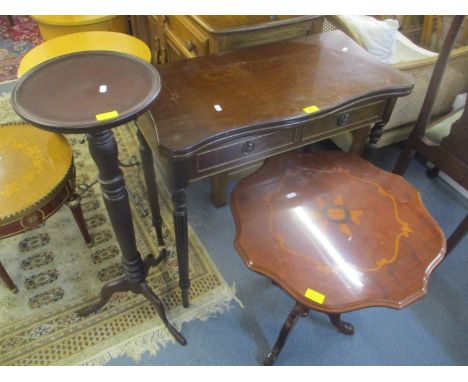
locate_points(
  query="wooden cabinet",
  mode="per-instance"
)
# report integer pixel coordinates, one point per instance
(172, 38)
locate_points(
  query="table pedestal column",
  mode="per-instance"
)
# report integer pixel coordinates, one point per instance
(103, 149)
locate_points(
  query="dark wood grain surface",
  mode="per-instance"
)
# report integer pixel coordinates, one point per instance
(337, 225)
(268, 84)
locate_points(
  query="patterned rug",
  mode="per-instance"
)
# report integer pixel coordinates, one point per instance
(57, 274)
(15, 41)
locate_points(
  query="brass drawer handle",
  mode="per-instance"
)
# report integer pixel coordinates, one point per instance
(343, 119)
(191, 46)
(248, 147)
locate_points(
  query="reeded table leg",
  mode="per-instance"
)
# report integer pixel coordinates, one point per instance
(151, 187)
(181, 234)
(103, 149)
(298, 311)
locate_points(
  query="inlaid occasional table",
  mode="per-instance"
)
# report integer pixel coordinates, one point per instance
(93, 92)
(336, 233)
(223, 112)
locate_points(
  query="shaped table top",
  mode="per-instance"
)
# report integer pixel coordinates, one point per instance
(336, 232)
(209, 97)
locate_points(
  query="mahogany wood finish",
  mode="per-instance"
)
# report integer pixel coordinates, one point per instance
(262, 86)
(71, 101)
(336, 233)
(262, 92)
(451, 154)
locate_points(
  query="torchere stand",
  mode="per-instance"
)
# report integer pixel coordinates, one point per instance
(83, 93)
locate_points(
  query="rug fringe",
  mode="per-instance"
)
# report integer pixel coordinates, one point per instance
(155, 339)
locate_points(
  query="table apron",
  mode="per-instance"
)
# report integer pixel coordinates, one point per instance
(238, 152)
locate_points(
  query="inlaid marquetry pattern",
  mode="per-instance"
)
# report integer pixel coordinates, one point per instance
(33, 165)
(331, 212)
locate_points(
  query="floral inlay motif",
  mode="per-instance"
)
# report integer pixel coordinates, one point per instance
(337, 213)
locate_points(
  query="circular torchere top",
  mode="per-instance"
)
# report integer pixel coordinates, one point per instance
(336, 232)
(86, 91)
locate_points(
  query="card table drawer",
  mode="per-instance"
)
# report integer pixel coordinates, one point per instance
(348, 119)
(244, 150)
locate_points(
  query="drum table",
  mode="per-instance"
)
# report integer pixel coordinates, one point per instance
(93, 92)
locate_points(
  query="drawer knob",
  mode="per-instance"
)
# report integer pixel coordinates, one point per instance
(191, 46)
(248, 147)
(343, 119)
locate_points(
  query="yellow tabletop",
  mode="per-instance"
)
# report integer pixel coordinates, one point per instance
(33, 163)
(71, 19)
(82, 41)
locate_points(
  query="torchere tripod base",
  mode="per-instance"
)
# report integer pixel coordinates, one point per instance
(141, 287)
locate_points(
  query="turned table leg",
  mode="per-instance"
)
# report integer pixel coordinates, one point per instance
(372, 143)
(181, 234)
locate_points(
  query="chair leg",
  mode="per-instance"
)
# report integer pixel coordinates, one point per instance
(74, 203)
(404, 160)
(7, 280)
(433, 172)
(298, 311)
(457, 235)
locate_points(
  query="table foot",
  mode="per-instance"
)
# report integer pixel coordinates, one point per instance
(146, 291)
(120, 285)
(342, 326)
(123, 285)
(298, 311)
